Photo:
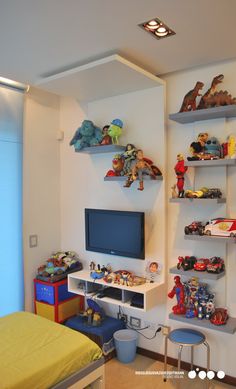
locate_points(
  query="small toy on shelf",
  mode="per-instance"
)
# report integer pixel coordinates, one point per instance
(195, 227)
(94, 314)
(231, 146)
(178, 291)
(86, 135)
(201, 264)
(118, 165)
(129, 156)
(189, 101)
(219, 316)
(92, 266)
(216, 99)
(213, 147)
(106, 139)
(96, 274)
(115, 130)
(204, 99)
(186, 263)
(221, 227)
(153, 269)
(180, 171)
(174, 193)
(215, 265)
(140, 168)
(197, 148)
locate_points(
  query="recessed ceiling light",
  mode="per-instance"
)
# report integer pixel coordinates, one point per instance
(157, 28)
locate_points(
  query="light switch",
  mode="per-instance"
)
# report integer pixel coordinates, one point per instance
(33, 241)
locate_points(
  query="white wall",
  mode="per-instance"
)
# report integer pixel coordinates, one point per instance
(41, 174)
(179, 139)
(82, 183)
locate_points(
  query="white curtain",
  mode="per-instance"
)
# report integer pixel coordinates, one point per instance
(11, 258)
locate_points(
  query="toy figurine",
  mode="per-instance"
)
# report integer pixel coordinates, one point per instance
(115, 130)
(213, 147)
(178, 291)
(174, 191)
(153, 269)
(180, 171)
(139, 169)
(219, 317)
(216, 99)
(203, 102)
(106, 140)
(197, 148)
(92, 266)
(118, 166)
(232, 146)
(129, 156)
(86, 135)
(189, 102)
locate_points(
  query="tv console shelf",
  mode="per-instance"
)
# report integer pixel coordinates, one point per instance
(82, 284)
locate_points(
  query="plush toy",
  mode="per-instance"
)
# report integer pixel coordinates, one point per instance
(142, 166)
(87, 135)
(197, 148)
(115, 130)
(213, 147)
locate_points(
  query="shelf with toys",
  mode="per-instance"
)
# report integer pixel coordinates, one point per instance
(100, 149)
(124, 178)
(211, 163)
(227, 111)
(198, 274)
(82, 283)
(205, 238)
(201, 201)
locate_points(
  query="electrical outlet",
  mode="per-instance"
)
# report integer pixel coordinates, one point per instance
(165, 330)
(135, 322)
(123, 317)
(150, 325)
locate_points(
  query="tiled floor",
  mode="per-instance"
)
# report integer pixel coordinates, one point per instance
(121, 376)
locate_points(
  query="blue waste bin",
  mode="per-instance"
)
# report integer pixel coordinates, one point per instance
(126, 344)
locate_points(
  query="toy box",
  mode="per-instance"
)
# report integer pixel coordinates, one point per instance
(61, 312)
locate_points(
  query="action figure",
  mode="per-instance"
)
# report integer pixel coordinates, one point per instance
(140, 168)
(178, 291)
(180, 171)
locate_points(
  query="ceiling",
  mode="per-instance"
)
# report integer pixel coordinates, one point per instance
(41, 38)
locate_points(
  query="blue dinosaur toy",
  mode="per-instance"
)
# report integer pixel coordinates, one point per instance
(86, 135)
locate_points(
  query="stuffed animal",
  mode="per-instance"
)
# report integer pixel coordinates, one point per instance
(213, 147)
(87, 135)
(115, 130)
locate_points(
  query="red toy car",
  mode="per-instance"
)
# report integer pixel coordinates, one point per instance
(194, 227)
(215, 265)
(201, 264)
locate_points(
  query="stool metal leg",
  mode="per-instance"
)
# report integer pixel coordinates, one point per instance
(165, 359)
(208, 354)
(179, 356)
(192, 349)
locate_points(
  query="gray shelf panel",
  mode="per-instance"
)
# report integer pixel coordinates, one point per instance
(227, 111)
(206, 238)
(101, 149)
(124, 178)
(197, 201)
(228, 328)
(199, 274)
(212, 163)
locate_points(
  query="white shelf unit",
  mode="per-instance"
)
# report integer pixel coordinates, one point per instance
(149, 290)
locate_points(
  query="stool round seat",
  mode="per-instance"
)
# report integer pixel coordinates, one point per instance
(186, 337)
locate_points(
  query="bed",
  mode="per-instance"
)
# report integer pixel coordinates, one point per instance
(37, 353)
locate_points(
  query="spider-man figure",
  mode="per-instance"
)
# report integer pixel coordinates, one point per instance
(178, 291)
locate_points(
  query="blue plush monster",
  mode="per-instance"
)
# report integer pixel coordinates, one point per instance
(213, 147)
(87, 135)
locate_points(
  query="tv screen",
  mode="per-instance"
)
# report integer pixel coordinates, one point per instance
(115, 232)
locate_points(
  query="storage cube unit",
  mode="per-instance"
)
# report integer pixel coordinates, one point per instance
(54, 302)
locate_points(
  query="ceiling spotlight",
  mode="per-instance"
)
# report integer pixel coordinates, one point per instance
(157, 28)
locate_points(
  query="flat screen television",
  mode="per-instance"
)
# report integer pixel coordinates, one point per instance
(115, 232)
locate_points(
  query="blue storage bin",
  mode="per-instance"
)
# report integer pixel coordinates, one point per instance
(46, 293)
(126, 344)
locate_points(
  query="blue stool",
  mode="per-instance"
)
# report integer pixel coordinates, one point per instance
(186, 337)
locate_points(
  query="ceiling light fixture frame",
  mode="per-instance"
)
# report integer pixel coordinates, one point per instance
(152, 26)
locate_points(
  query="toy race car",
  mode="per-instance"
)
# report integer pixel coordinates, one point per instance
(186, 263)
(211, 193)
(201, 264)
(215, 265)
(191, 194)
(194, 227)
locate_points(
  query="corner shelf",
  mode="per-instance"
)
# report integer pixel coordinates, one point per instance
(149, 290)
(199, 274)
(206, 238)
(201, 201)
(228, 328)
(124, 178)
(227, 111)
(99, 149)
(212, 162)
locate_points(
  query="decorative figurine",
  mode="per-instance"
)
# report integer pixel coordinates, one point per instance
(153, 269)
(118, 166)
(189, 102)
(129, 156)
(86, 135)
(180, 171)
(178, 291)
(106, 140)
(213, 147)
(219, 317)
(92, 266)
(139, 169)
(216, 80)
(195, 227)
(115, 130)
(174, 191)
(232, 146)
(197, 148)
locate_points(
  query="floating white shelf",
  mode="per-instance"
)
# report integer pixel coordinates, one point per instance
(124, 178)
(206, 238)
(199, 274)
(229, 327)
(201, 201)
(101, 149)
(149, 290)
(227, 111)
(106, 77)
(212, 163)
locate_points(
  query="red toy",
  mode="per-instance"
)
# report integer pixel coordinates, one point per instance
(194, 227)
(180, 171)
(219, 317)
(178, 291)
(215, 265)
(201, 264)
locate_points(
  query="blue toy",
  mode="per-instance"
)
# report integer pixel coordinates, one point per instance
(87, 135)
(115, 130)
(213, 147)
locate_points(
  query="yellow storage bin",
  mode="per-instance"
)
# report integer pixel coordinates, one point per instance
(60, 312)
